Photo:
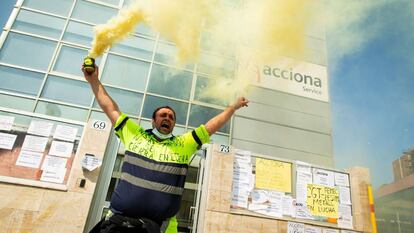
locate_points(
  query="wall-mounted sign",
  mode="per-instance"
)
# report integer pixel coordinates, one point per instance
(291, 76)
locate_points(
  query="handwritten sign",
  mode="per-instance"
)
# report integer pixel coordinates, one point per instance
(295, 227)
(274, 175)
(322, 200)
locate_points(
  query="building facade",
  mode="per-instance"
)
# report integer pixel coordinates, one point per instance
(44, 42)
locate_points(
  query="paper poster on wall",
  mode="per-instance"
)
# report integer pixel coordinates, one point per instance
(295, 227)
(344, 195)
(65, 133)
(54, 176)
(329, 230)
(41, 128)
(54, 163)
(29, 159)
(348, 231)
(274, 175)
(7, 141)
(344, 210)
(302, 211)
(6, 122)
(323, 177)
(302, 167)
(323, 200)
(63, 149)
(288, 206)
(345, 222)
(34, 143)
(341, 179)
(241, 185)
(275, 208)
(312, 229)
(302, 181)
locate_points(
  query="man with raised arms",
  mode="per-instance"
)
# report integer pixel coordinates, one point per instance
(155, 164)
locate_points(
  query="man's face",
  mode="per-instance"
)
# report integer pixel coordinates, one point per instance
(164, 121)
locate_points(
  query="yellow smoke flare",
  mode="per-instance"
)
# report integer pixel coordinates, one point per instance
(248, 34)
(115, 29)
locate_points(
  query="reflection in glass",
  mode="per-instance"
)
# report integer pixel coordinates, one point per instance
(92, 12)
(39, 24)
(20, 81)
(220, 66)
(129, 102)
(67, 90)
(14, 102)
(27, 51)
(125, 72)
(63, 111)
(136, 47)
(201, 94)
(200, 115)
(144, 30)
(153, 102)
(98, 116)
(218, 138)
(78, 33)
(170, 82)
(69, 59)
(167, 53)
(113, 2)
(59, 7)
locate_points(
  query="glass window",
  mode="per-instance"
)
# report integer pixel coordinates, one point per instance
(125, 72)
(127, 2)
(144, 30)
(129, 102)
(67, 90)
(92, 12)
(167, 53)
(211, 64)
(216, 43)
(141, 28)
(14, 102)
(27, 51)
(63, 111)
(170, 82)
(153, 102)
(39, 24)
(218, 138)
(79, 33)
(200, 115)
(70, 59)
(21, 81)
(95, 115)
(113, 2)
(59, 7)
(18, 119)
(203, 94)
(136, 47)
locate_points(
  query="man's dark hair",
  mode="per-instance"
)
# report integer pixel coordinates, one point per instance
(159, 108)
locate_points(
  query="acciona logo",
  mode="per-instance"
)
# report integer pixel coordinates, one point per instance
(290, 75)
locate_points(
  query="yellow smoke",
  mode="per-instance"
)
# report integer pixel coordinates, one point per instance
(263, 31)
(248, 34)
(115, 29)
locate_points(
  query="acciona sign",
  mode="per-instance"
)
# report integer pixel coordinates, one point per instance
(295, 77)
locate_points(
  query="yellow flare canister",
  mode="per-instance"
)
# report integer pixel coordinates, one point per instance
(89, 64)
